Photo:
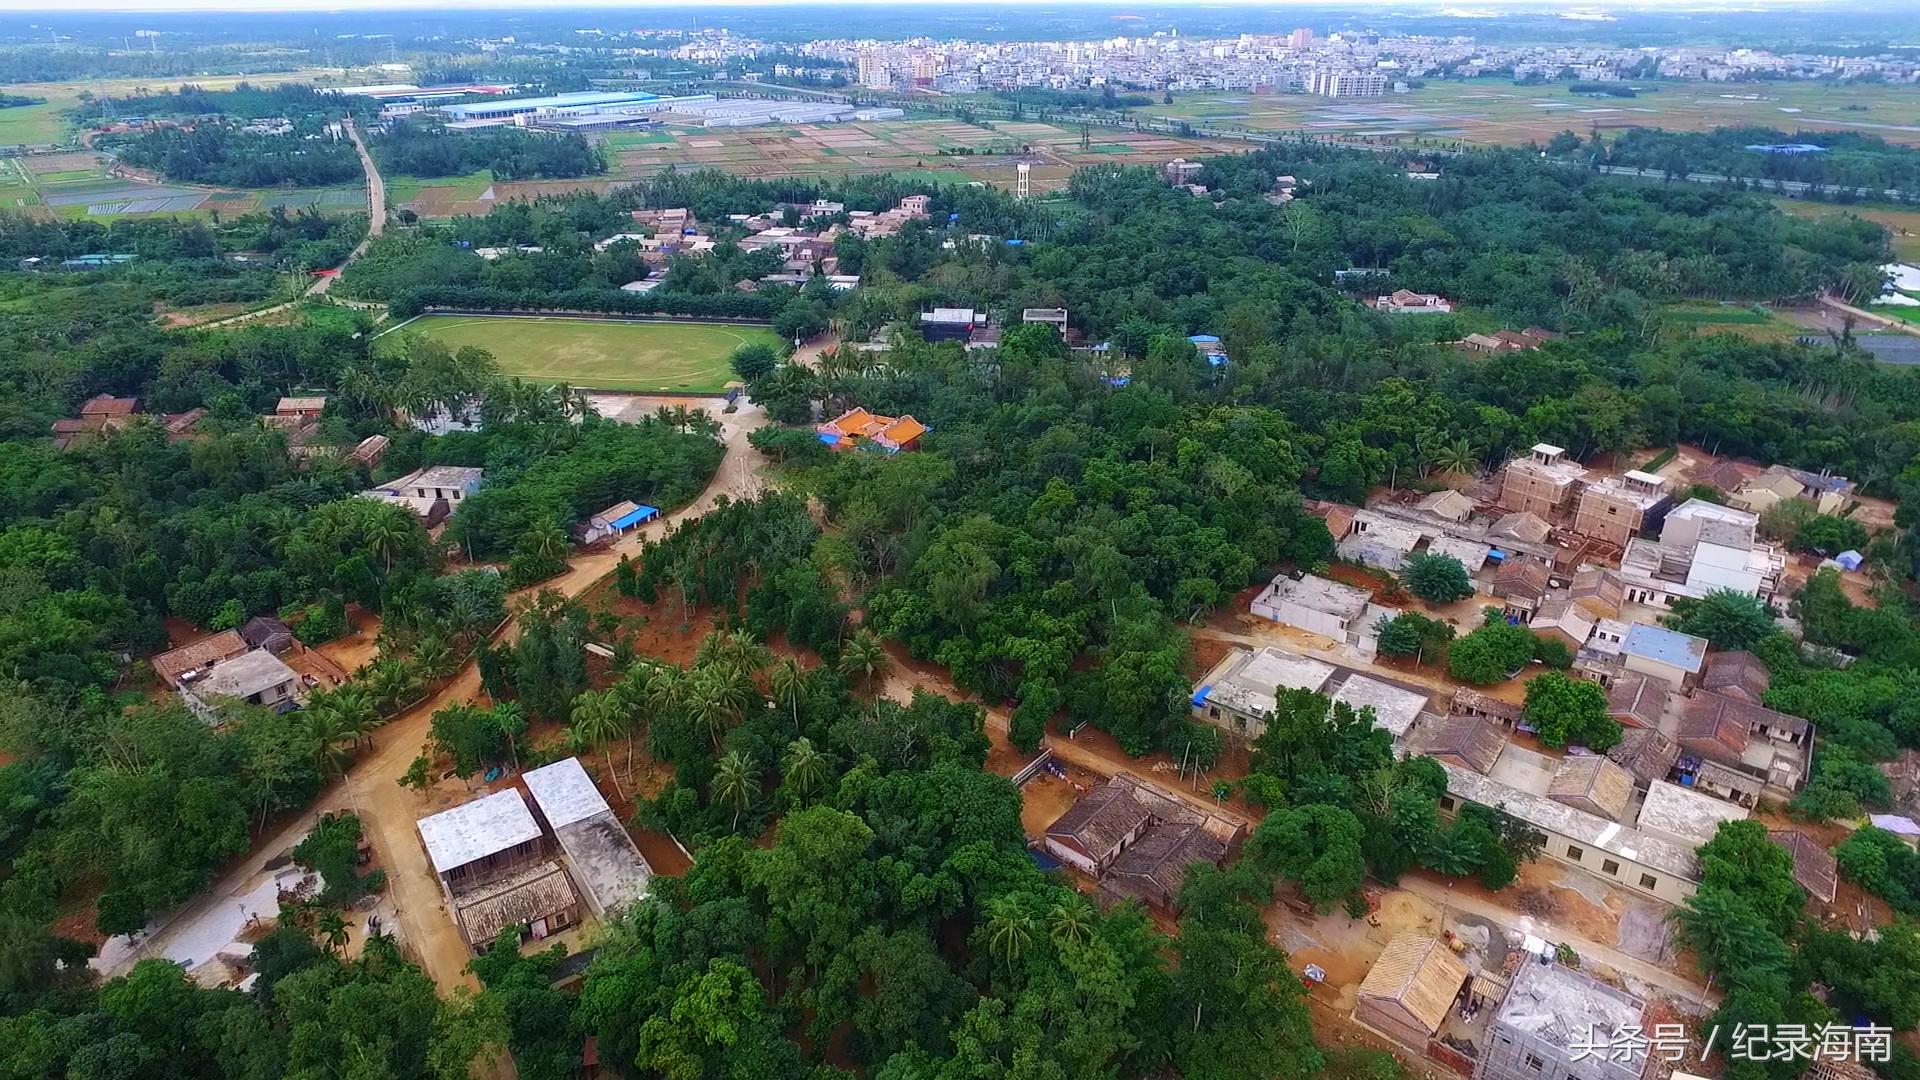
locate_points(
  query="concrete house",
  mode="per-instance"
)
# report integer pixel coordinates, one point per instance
(1410, 989)
(491, 859)
(1662, 868)
(1408, 302)
(1619, 508)
(1703, 546)
(607, 868)
(1138, 840)
(1240, 693)
(1550, 1014)
(186, 664)
(450, 482)
(257, 678)
(1379, 542)
(1544, 483)
(302, 408)
(1664, 654)
(1683, 815)
(1314, 604)
(1394, 708)
(617, 520)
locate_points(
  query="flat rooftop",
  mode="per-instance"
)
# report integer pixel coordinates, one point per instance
(1250, 680)
(477, 829)
(1687, 815)
(1322, 594)
(1394, 708)
(244, 675)
(1657, 643)
(564, 793)
(1567, 1008)
(1591, 830)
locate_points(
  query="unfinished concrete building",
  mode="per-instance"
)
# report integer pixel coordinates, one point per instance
(1551, 1019)
(1619, 508)
(1544, 483)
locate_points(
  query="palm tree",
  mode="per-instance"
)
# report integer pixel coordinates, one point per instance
(546, 541)
(1009, 931)
(1070, 922)
(433, 658)
(358, 716)
(1456, 456)
(598, 719)
(734, 783)
(788, 681)
(863, 655)
(330, 743)
(740, 649)
(717, 698)
(390, 679)
(332, 927)
(806, 768)
(386, 532)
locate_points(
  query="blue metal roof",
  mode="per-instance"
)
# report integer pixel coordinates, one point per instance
(636, 516)
(1200, 695)
(1204, 339)
(1683, 651)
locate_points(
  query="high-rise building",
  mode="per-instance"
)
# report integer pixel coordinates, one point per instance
(1346, 84)
(1301, 39)
(874, 73)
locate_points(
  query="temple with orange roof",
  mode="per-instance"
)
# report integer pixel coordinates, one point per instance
(857, 428)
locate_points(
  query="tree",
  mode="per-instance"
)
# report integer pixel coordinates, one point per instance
(1316, 846)
(1437, 579)
(735, 784)
(332, 927)
(1410, 633)
(788, 682)
(753, 362)
(717, 696)
(806, 769)
(599, 717)
(1009, 931)
(1564, 710)
(864, 656)
(1728, 619)
(1491, 653)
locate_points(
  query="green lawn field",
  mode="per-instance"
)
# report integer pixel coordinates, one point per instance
(684, 358)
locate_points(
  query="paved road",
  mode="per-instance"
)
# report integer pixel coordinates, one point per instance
(376, 224)
(371, 786)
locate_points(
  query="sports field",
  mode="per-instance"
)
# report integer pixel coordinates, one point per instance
(595, 354)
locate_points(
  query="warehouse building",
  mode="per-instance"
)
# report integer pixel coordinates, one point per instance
(511, 107)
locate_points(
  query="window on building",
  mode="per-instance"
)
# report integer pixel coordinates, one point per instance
(1574, 853)
(1213, 712)
(1610, 866)
(1534, 1062)
(1647, 881)
(1447, 803)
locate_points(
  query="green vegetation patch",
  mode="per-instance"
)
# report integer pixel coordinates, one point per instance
(601, 354)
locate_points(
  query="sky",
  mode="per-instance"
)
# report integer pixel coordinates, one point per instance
(52, 10)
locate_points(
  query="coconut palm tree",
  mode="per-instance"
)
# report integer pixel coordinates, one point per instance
(385, 532)
(598, 719)
(740, 649)
(390, 679)
(735, 784)
(547, 541)
(717, 698)
(1009, 931)
(332, 928)
(806, 767)
(1456, 456)
(433, 659)
(863, 656)
(331, 744)
(1070, 922)
(788, 682)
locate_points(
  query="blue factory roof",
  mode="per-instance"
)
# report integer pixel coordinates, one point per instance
(1683, 651)
(555, 101)
(637, 515)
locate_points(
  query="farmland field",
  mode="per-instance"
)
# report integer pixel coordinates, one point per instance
(1903, 224)
(1497, 111)
(654, 357)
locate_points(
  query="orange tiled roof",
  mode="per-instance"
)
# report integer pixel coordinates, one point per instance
(903, 431)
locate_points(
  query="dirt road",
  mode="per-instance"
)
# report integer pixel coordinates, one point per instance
(371, 787)
(376, 224)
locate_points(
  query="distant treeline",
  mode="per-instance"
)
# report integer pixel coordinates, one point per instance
(1038, 98)
(426, 148)
(1609, 89)
(218, 152)
(755, 306)
(1845, 160)
(246, 101)
(14, 101)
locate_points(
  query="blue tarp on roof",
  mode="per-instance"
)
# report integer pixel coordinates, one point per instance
(830, 438)
(638, 515)
(1217, 359)
(1200, 695)
(1850, 559)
